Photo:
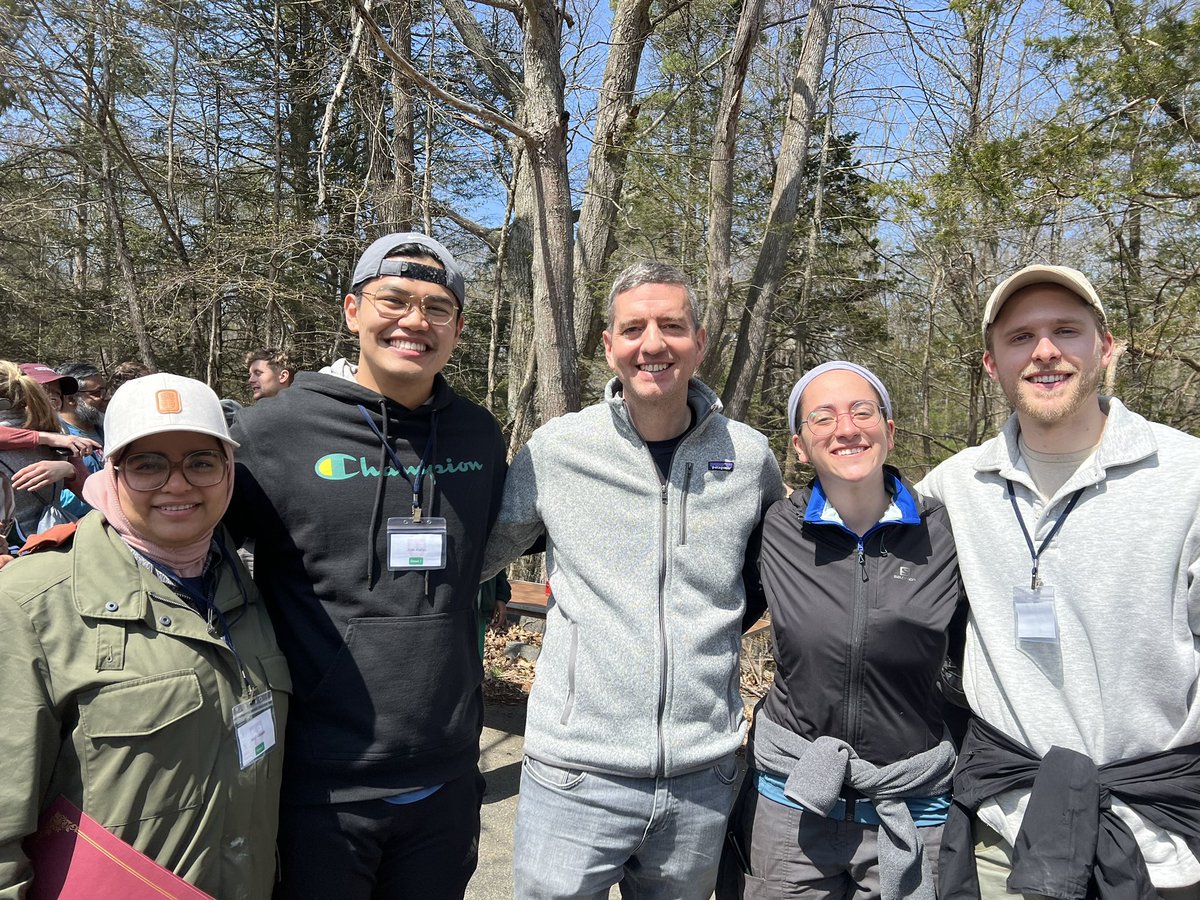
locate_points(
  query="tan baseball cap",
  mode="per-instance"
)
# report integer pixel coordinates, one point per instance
(154, 404)
(1072, 279)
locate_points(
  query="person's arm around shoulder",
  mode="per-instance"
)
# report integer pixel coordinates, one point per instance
(519, 523)
(248, 498)
(771, 489)
(29, 743)
(1194, 577)
(772, 484)
(931, 486)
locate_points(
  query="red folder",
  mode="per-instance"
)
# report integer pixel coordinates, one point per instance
(76, 858)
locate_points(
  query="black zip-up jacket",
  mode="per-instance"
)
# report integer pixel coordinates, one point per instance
(385, 664)
(1071, 843)
(861, 633)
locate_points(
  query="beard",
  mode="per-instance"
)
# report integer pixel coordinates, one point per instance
(1083, 390)
(91, 417)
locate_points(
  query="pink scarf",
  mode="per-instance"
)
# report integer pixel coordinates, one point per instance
(100, 490)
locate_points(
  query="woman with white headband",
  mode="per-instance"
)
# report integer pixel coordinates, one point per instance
(850, 764)
(142, 681)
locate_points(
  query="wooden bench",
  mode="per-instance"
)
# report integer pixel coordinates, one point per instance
(529, 599)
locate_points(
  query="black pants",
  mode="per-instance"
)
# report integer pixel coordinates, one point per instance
(375, 850)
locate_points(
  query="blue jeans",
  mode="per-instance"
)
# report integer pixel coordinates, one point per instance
(579, 833)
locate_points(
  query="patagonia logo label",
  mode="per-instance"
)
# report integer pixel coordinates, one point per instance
(720, 465)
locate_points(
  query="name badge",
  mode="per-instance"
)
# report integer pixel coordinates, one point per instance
(254, 726)
(1036, 619)
(416, 545)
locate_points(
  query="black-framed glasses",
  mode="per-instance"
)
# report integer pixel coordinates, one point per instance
(151, 471)
(436, 310)
(864, 414)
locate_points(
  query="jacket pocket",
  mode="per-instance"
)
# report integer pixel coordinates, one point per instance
(400, 687)
(569, 705)
(683, 504)
(147, 747)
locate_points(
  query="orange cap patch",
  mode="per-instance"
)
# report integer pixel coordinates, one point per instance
(167, 402)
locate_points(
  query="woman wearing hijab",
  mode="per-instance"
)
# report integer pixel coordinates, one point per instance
(850, 767)
(142, 681)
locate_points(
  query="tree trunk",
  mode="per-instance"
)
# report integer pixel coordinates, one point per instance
(400, 17)
(607, 160)
(720, 192)
(781, 216)
(545, 120)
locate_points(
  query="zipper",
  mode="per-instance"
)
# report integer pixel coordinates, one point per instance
(664, 508)
(661, 764)
(687, 484)
(858, 634)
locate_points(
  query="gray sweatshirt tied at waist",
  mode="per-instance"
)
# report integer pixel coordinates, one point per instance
(816, 771)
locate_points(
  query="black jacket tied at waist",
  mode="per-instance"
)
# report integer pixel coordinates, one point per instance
(1071, 844)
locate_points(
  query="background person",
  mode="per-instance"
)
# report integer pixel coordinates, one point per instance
(270, 372)
(123, 372)
(133, 644)
(82, 412)
(41, 477)
(849, 776)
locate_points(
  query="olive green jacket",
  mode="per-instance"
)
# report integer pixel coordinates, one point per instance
(117, 695)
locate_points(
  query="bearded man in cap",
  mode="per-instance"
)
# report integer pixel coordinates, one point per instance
(1078, 533)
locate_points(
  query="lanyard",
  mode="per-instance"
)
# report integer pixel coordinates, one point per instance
(422, 468)
(1034, 581)
(208, 603)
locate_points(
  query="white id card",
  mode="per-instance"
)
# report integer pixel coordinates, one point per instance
(1036, 619)
(254, 725)
(416, 545)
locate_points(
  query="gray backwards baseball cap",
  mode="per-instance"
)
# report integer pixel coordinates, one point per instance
(375, 262)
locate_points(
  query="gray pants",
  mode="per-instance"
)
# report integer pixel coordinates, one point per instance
(775, 851)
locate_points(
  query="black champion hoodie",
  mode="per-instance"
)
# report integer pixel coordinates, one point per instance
(385, 665)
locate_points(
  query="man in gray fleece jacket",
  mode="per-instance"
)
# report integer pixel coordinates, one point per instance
(647, 501)
(1078, 533)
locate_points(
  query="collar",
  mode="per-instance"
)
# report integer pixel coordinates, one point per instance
(701, 398)
(1128, 438)
(115, 587)
(902, 510)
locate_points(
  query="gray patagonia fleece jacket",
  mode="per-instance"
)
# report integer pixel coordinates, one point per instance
(638, 674)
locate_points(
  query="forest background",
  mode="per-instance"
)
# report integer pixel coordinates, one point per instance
(183, 180)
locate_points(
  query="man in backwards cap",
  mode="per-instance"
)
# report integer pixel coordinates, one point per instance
(369, 489)
(1079, 540)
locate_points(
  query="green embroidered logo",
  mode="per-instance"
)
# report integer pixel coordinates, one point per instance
(340, 466)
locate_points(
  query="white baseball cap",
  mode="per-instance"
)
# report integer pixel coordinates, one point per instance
(154, 404)
(1072, 279)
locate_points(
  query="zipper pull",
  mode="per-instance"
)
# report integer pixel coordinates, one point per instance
(662, 492)
(862, 559)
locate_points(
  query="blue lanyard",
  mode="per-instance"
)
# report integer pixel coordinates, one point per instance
(208, 603)
(1034, 582)
(422, 468)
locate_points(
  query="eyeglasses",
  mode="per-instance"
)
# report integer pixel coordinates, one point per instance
(435, 310)
(864, 414)
(151, 471)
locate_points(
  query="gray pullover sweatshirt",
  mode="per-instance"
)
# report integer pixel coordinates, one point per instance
(1121, 680)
